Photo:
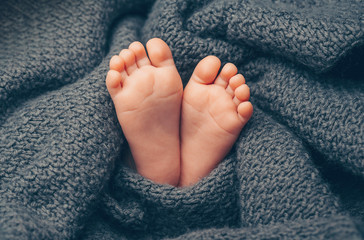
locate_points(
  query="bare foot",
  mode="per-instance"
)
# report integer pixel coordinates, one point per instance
(147, 94)
(214, 111)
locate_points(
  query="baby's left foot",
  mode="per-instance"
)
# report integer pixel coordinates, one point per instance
(214, 110)
(147, 95)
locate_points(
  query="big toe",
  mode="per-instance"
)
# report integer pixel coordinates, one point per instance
(159, 53)
(206, 70)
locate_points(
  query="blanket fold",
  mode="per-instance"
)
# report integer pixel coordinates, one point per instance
(296, 170)
(316, 36)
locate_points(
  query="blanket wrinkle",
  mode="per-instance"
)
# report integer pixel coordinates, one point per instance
(340, 101)
(337, 228)
(126, 212)
(295, 172)
(179, 206)
(278, 195)
(58, 40)
(282, 33)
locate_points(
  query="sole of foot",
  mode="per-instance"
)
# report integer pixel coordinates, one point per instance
(147, 91)
(214, 111)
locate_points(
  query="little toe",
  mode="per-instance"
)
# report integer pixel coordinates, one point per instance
(140, 54)
(235, 82)
(113, 82)
(245, 111)
(129, 59)
(159, 53)
(206, 70)
(228, 71)
(116, 63)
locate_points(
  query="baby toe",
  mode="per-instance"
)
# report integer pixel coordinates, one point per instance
(245, 111)
(113, 82)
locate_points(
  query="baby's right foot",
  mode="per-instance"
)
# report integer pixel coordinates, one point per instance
(214, 110)
(147, 95)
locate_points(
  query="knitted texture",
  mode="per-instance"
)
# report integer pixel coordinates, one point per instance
(295, 172)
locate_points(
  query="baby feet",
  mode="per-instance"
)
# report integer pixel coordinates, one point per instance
(214, 110)
(147, 95)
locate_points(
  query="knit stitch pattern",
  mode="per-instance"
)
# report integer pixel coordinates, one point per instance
(295, 172)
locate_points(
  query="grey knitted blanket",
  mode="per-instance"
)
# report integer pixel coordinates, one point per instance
(296, 171)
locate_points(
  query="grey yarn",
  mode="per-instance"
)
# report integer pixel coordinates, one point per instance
(296, 171)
